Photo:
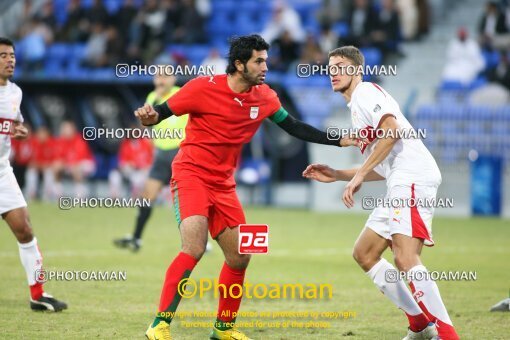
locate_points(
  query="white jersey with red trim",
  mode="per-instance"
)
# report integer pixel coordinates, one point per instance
(10, 101)
(409, 161)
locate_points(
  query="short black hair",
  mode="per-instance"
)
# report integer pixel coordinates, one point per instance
(241, 49)
(6, 41)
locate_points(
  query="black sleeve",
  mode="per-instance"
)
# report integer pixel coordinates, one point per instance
(306, 132)
(163, 111)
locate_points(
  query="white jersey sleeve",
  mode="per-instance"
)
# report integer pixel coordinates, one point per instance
(374, 104)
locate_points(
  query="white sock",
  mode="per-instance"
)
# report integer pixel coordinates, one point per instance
(81, 190)
(427, 292)
(396, 291)
(32, 181)
(115, 183)
(48, 185)
(31, 259)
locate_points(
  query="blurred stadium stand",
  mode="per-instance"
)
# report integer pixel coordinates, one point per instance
(454, 125)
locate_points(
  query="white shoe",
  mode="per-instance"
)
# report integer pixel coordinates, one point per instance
(429, 333)
(208, 247)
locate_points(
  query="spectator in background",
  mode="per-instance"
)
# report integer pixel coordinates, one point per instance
(97, 13)
(284, 18)
(172, 20)
(135, 159)
(95, 50)
(36, 36)
(464, 59)
(47, 16)
(333, 10)
(44, 147)
(114, 46)
(385, 35)
(191, 26)
(491, 25)
(501, 74)
(149, 29)
(215, 61)
(77, 27)
(286, 52)
(423, 17)
(409, 22)
(73, 158)
(362, 20)
(328, 39)
(310, 53)
(123, 19)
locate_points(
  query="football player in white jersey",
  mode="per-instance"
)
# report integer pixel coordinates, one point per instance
(402, 223)
(13, 207)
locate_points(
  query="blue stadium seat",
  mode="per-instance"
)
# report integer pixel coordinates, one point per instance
(372, 56)
(491, 58)
(112, 6)
(341, 28)
(58, 52)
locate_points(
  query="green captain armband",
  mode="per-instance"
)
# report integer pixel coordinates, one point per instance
(279, 115)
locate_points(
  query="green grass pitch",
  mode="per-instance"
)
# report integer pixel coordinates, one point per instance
(305, 247)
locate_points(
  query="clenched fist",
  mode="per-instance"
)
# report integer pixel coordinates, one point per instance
(147, 115)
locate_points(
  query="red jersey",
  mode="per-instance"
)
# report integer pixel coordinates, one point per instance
(45, 151)
(137, 153)
(23, 150)
(220, 122)
(73, 150)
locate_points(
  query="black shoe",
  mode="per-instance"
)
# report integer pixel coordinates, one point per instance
(128, 242)
(47, 302)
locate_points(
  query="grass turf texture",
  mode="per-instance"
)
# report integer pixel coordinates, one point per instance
(305, 247)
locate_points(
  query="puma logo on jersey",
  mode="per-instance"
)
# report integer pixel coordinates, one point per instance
(239, 101)
(211, 80)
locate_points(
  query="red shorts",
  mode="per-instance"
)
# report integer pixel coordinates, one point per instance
(191, 196)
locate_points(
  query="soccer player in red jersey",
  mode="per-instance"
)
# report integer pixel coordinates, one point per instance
(225, 111)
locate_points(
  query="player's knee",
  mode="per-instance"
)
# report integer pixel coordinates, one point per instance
(195, 250)
(362, 257)
(403, 261)
(238, 261)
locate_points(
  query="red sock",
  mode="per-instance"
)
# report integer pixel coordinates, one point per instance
(229, 304)
(444, 330)
(36, 291)
(180, 268)
(417, 323)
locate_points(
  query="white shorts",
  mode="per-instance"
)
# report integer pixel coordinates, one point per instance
(11, 196)
(413, 220)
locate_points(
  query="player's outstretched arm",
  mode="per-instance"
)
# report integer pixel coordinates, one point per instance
(310, 134)
(149, 115)
(381, 151)
(325, 174)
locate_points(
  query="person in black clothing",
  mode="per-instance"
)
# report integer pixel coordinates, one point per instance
(491, 24)
(362, 19)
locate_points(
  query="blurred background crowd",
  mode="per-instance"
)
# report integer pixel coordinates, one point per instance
(102, 33)
(453, 78)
